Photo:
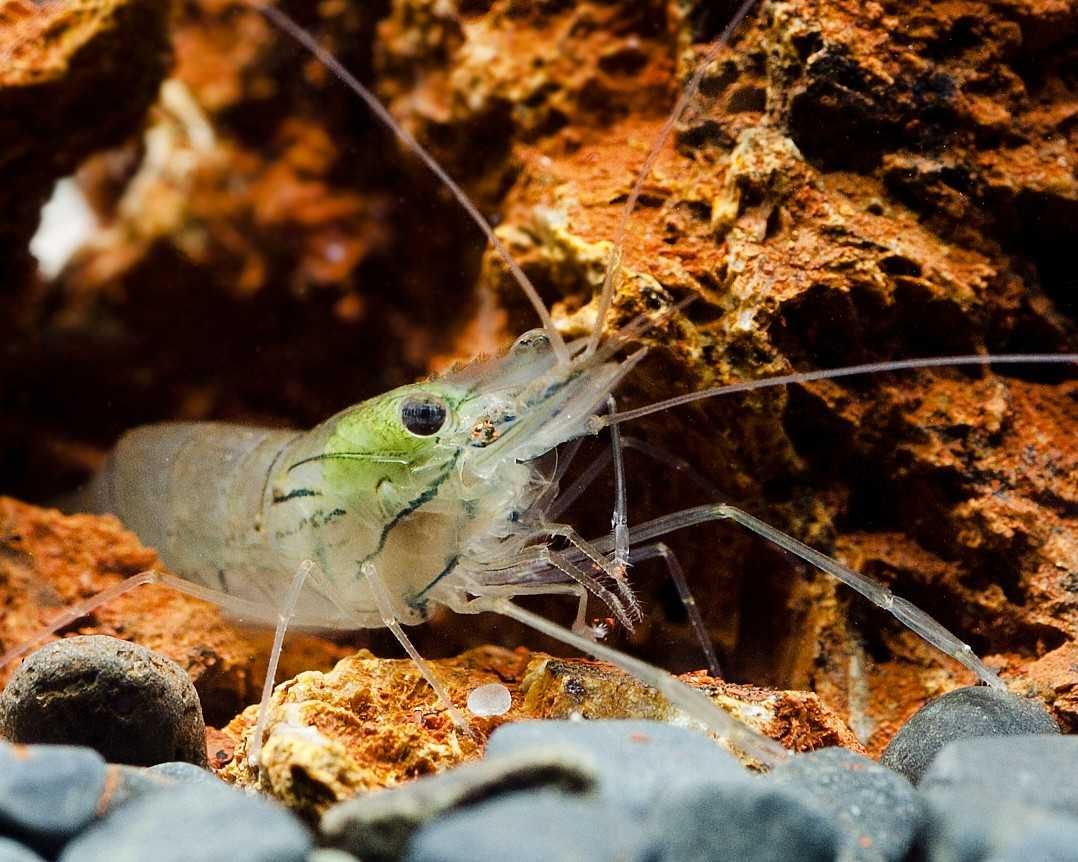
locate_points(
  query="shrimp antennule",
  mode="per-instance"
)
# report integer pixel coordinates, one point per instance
(287, 25)
(597, 423)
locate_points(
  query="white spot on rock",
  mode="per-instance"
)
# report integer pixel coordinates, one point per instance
(490, 699)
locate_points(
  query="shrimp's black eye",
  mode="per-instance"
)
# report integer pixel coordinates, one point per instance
(423, 415)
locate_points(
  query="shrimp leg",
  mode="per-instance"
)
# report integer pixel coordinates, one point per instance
(237, 607)
(692, 609)
(620, 519)
(284, 617)
(904, 611)
(693, 702)
(389, 619)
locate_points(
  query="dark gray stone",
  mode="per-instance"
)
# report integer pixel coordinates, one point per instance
(965, 712)
(184, 773)
(48, 793)
(877, 810)
(542, 827)
(188, 822)
(13, 851)
(377, 826)
(970, 827)
(1057, 842)
(126, 783)
(747, 821)
(1040, 771)
(128, 703)
(638, 763)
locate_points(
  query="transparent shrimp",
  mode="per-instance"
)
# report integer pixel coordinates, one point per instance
(446, 492)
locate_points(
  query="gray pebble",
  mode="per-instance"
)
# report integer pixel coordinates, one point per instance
(541, 827)
(13, 851)
(1040, 771)
(128, 703)
(125, 783)
(637, 762)
(877, 810)
(377, 826)
(1056, 843)
(48, 793)
(964, 827)
(184, 773)
(193, 823)
(965, 712)
(744, 821)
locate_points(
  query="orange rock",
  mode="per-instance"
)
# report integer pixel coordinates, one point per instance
(61, 98)
(857, 182)
(372, 723)
(49, 560)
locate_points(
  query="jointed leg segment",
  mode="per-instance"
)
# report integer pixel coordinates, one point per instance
(389, 619)
(694, 703)
(905, 612)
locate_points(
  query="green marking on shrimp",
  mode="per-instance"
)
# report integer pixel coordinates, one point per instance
(369, 445)
(424, 498)
(417, 601)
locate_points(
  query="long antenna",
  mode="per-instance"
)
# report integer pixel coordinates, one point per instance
(287, 25)
(613, 263)
(596, 423)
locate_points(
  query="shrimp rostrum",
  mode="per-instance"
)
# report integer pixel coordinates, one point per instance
(448, 493)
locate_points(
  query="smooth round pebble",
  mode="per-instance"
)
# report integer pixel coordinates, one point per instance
(491, 699)
(749, 822)
(13, 851)
(125, 783)
(184, 773)
(965, 712)
(130, 704)
(541, 827)
(877, 810)
(971, 828)
(377, 826)
(48, 793)
(1040, 771)
(1057, 843)
(638, 763)
(194, 823)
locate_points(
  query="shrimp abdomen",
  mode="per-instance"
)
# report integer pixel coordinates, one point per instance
(194, 492)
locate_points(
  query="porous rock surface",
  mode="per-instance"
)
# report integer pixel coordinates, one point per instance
(49, 560)
(858, 182)
(372, 723)
(74, 77)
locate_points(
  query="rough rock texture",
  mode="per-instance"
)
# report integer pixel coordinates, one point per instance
(373, 723)
(49, 560)
(74, 77)
(858, 181)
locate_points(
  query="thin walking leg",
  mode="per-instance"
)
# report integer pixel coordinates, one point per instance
(901, 609)
(691, 701)
(238, 607)
(284, 618)
(628, 599)
(692, 609)
(389, 619)
(582, 482)
(620, 518)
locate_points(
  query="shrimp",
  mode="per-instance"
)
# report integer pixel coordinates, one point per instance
(448, 492)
